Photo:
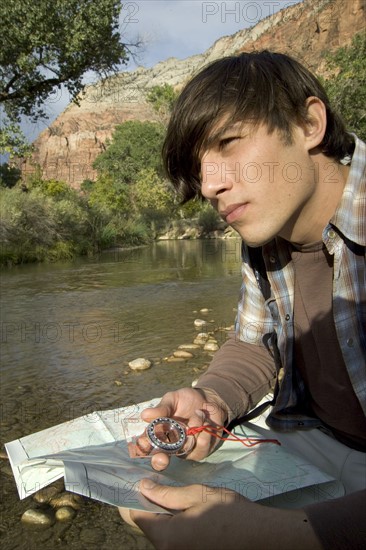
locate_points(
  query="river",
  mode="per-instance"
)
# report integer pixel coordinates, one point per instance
(68, 331)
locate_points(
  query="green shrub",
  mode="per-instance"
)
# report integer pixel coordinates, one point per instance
(208, 219)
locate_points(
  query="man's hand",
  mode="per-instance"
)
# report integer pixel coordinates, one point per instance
(215, 518)
(191, 407)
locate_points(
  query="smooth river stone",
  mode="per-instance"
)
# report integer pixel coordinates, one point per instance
(67, 499)
(38, 518)
(139, 364)
(65, 513)
(211, 346)
(183, 354)
(44, 495)
(198, 323)
(189, 346)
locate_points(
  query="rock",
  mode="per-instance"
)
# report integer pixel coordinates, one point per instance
(190, 233)
(173, 359)
(211, 346)
(201, 338)
(118, 383)
(67, 148)
(189, 346)
(43, 496)
(67, 499)
(183, 354)
(38, 518)
(65, 513)
(139, 364)
(204, 310)
(199, 323)
(194, 383)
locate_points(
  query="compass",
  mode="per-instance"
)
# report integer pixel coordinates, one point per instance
(166, 435)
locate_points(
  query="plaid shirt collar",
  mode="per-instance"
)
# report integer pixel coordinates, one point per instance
(350, 215)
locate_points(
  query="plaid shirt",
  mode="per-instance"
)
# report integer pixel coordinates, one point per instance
(265, 312)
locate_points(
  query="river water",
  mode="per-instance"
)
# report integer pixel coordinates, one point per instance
(68, 331)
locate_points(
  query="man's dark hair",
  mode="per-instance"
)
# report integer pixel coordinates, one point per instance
(256, 87)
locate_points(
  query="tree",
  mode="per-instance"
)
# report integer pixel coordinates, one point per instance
(153, 198)
(48, 44)
(346, 85)
(134, 146)
(108, 195)
(12, 140)
(9, 175)
(45, 44)
(162, 99)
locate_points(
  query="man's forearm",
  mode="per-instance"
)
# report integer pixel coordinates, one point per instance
(240, 374)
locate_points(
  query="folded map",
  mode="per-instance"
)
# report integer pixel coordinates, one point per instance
(91, 453)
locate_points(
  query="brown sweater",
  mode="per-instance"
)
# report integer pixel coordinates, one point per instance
(241, 374)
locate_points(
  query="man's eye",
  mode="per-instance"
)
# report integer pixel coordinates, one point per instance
(225, 142)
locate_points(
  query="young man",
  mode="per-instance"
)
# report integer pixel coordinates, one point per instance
(255, 135)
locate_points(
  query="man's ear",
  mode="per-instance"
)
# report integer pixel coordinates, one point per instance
(316, 122)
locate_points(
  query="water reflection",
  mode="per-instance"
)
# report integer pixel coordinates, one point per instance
(69, 329)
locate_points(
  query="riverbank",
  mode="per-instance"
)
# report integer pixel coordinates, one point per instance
(70, 331)
(55, 508)
(182, 229)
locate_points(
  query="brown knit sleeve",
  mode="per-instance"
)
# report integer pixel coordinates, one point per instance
(240, 374)
(340, 524)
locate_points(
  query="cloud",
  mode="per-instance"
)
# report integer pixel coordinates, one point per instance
(183, 28)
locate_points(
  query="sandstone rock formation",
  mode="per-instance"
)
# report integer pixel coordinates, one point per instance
(66, 150)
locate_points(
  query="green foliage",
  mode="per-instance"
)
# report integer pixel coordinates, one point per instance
(347, 84)
(46, 44)
(192, 208)
(209, 219)
(135, 146)
(34, 226)
(128, 204)
(162, 99)
(108, 194)
(9, 175)
(12, 140)
(153, 197)
(133, 232)
(46, 48)
(49, 188)
(26, 230)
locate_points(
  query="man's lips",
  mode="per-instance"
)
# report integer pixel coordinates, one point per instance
(232, 212)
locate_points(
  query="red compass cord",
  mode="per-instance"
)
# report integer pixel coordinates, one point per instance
(215, 432)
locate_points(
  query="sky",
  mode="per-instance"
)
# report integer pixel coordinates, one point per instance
(171, 28)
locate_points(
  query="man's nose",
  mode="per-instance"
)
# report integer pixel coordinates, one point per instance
(216, 178)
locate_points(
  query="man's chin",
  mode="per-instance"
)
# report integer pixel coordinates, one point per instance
(255, 243)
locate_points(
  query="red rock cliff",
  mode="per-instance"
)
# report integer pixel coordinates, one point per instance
(66, 150)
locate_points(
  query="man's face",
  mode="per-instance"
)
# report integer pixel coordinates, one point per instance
(260, 186)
